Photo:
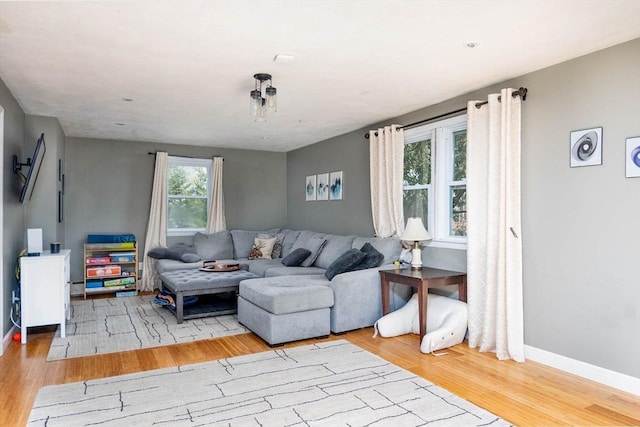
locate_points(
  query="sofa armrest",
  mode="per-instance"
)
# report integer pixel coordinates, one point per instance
(358, 299)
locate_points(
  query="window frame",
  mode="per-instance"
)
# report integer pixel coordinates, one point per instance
(174, 161)
(442, 164)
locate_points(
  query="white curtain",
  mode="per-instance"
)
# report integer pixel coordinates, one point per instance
(386, 148)
(215, 219)
(157, 225)
(494, 248)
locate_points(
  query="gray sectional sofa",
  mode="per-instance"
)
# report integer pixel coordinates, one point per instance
(288, 303)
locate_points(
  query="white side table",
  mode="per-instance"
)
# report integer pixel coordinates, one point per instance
(44, 290)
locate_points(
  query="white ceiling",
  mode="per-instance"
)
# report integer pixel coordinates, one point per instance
(188, 65)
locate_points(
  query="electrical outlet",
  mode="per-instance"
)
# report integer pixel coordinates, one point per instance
(14, 298)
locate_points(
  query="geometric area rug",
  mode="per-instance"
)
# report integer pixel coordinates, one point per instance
(324, 384)
(111, 325)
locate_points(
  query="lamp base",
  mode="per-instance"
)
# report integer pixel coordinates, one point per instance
(416, 257)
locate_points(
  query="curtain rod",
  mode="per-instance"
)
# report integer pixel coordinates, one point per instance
(153, 153)
(522, 92)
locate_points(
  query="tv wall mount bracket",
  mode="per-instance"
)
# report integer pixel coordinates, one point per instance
(17, 166)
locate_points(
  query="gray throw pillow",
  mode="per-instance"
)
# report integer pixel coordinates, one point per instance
(191, 258)
(345, 262)
(296, 257)
(372, 257)
(157, 253)
(314, 246)
(182, 252)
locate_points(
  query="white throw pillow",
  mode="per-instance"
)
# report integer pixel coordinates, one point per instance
(262, 248)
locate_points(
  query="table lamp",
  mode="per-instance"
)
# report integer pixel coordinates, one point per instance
(415, 231)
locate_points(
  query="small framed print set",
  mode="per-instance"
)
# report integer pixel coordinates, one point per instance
(324, 186)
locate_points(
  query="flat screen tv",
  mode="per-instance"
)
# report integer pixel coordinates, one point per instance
(34, 163)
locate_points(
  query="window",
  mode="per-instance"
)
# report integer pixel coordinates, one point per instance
(188, 191)
(435, 183)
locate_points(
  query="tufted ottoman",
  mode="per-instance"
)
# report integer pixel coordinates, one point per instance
(183, 283)
(281, 311)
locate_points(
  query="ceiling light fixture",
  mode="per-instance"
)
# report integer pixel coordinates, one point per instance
(259, 105)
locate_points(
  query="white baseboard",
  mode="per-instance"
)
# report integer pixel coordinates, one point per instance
(595, 373)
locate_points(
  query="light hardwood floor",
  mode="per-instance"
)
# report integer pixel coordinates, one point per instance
(526, 394)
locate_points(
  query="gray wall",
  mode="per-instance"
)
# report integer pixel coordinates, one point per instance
(20, 134)
(13, 217)
(348, 153)
(108, 189)
(580, 225)
(42, 209)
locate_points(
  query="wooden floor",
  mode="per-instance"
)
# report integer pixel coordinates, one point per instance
(527, 394)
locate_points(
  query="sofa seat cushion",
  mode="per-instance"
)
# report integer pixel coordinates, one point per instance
(284, 297)
(260, 265)
(281, 270)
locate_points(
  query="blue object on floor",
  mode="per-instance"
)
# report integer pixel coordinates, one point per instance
(167, 299)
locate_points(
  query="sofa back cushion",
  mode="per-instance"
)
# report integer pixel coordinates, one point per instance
(390, 247)
(335, 246)
(214, 246)
(243, 241)
(290, 237)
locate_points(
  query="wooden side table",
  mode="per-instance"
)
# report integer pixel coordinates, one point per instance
(422, 280)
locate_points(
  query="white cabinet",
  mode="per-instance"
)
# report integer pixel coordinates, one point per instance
(44, 290)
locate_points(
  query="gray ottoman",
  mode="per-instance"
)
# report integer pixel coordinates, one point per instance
(183, 283)
(279, 312)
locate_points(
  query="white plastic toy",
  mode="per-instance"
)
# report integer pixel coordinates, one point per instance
(446, 322)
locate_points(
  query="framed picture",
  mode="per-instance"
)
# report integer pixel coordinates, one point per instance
(586, 147)
(336, 186)
(632, 157)
(322, 188)
(310, 188)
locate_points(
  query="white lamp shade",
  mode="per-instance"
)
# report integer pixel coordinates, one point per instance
(415, 231)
